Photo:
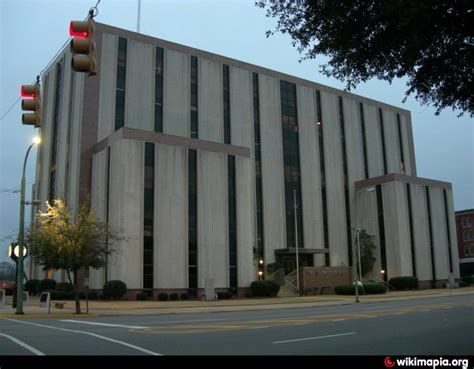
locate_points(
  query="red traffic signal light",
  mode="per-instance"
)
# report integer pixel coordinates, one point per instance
(83, 46)
(31, 102)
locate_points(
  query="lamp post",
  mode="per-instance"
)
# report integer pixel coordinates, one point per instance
(19, 290)
(357, 230)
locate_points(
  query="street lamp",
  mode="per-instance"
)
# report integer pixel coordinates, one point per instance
(357, 230)
(19, 291)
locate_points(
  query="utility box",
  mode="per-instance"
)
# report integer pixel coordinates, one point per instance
(210, 291)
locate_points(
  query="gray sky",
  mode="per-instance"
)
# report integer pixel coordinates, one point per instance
(32, 31)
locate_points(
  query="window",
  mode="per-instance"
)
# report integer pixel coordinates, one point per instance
(226, 89)
(382, 135)
(291, 162)
(466, 222)
(192, 219)
(148, 215)
(194, 97)
(159, 65)
(322, 169)
(120, 86)
(232, 211)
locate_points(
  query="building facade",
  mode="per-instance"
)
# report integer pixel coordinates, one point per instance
(216, 168)
(465, 235)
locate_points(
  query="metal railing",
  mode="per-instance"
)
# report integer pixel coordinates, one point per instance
(291, 283)
(277, 276)
(376, 280)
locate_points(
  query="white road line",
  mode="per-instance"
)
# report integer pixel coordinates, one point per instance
(104, 324)
(192, 321)
(371, 316)
(23, 344)
(90, 334)
(338, 320)
(314, 338)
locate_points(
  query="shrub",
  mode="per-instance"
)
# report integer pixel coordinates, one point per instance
(174, 297)
(184, 296)
(91, 295)
(220, 295)
(31, 286)
(264, 288)
(114, 289)
(61, 295)
(404, 283)
(163, 296)
(228, 295)
(467, 280)
(192, 292)
(348, 289)
(142, 296)
(9, 292)
(46, 285)
(64, 287)
(374, 288)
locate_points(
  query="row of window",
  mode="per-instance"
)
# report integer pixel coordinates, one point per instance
(468, 235)
(466, 222)
(469, 250)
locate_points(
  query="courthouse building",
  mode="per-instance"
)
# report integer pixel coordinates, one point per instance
(212, 165)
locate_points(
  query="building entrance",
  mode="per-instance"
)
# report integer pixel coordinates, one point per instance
(288, 261)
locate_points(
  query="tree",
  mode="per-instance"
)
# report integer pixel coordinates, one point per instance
(429, 42)
(7, 271)
(63, 240)
(367, 245)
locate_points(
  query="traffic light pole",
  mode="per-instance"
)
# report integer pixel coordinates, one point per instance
(20, 273)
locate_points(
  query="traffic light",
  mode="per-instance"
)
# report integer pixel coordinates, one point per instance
(83, 46)
(32, 102)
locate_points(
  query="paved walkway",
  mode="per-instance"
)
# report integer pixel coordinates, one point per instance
(32, 309)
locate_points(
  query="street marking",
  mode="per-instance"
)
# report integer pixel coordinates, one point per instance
(90, 334)
(399, 313)
(370, 316)
(314, 338)
(262, 327)
(23, 344)
(104, 324)
(338, 320)
(191, 321)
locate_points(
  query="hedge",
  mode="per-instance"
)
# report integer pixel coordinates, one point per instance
(404, 283)
(163, 296)
(141, 296)
(46, 285)
(114, 289)
(264, 288)
(374, 288)
(174, 296)
(64, 287)
(31, 286)
(349, 289)
(467, 280)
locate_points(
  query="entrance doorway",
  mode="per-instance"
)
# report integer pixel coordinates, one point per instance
(288, 261)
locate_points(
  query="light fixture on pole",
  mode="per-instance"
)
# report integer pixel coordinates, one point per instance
(21, 242)
(357, 230)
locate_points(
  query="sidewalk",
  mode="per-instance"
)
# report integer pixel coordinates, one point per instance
(32, 310)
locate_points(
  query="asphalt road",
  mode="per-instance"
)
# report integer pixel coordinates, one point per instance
(436, 326)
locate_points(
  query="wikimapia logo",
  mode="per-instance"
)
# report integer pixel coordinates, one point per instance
(432, 363)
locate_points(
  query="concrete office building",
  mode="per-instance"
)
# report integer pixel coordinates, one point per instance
(199, 158)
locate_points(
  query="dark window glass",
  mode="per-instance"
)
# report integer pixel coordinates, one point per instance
(57, 111)
(412, 239)
(430, 233)
(226, 82)
(346, 180)
(448, 230)
(383, 253)
(148, 215)
(291, 162)
(258, 172)
(194, 97)
(120, 85)
(52, 185)
(232, 214)
(384, 154)
(400, 143)
(364, 140)
(322, 169)
(192, 218)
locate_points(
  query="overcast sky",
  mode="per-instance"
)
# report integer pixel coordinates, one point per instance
(32, 31)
